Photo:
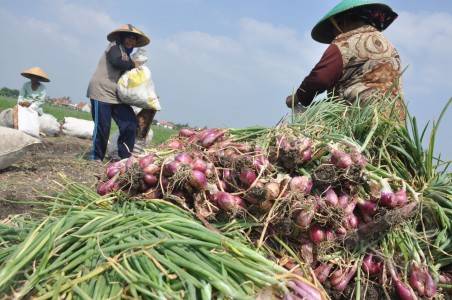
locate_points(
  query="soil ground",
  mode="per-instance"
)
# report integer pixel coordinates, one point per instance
(43, 165)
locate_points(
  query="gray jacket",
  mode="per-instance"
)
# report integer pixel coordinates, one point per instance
(113, 63)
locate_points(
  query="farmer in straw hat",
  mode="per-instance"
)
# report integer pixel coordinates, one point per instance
(102, 92)
(359, 62)
(33, 92)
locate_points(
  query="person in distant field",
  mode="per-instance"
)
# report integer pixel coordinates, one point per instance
(33, 93)
(102, 92)
(360, 62)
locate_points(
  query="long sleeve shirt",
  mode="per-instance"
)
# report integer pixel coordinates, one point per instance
(35, 97)
(324, 76)
(119, 59)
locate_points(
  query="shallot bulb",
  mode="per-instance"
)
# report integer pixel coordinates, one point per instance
(371, 266)
(317, 234)
(199, 165)
(341, 159)
(271, 191)
(185, 132)
(386, 194)
(421, 281)
(175, 145)
(150, 180)
(331, 197)
(146, 160)
(400, 198)
(227, 201)
(322, 272)
(302, 184)
(171, 168)
(184, 158)
(247, 177)
(304, 218)
(198, 180)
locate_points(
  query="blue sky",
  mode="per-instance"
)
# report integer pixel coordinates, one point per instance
(219, 62)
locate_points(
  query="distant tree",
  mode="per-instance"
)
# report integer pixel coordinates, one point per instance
(7, 92)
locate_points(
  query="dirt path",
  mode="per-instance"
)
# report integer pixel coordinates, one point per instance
(37, 172)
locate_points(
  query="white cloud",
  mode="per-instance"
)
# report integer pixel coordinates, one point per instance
(425, 44)
(235, 80)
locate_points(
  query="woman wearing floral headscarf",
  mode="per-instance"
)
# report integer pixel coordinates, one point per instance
(360, 62)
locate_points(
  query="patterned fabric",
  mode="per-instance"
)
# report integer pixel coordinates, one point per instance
(371, 67)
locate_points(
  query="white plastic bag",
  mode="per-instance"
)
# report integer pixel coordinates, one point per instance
(78, 128)
(49, 125)
(28, 121)
(136, 88)
(13, 146)
(138, 148)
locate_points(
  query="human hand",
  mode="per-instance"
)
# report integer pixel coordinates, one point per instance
(25, 104)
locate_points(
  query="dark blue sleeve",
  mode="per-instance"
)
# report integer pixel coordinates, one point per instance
(118, 60)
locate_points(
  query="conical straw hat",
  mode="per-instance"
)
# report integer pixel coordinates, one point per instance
(142, 39)
(323, 32)
(36, 72)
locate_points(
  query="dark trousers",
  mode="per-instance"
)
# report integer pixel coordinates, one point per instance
(126, 120)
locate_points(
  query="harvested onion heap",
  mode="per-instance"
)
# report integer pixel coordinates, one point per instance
(313, 194)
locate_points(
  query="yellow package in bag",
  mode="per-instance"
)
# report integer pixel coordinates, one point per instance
(136, 88)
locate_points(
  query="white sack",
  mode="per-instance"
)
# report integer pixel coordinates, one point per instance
(28, 121)
(49, 125)
(78, 128)
(13, 146)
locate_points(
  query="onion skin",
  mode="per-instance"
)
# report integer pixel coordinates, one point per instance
(317, 234)
(322, 272)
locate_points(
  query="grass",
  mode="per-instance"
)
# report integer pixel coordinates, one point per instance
(160, 134)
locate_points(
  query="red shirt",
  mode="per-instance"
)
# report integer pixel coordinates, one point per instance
(323, 77)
